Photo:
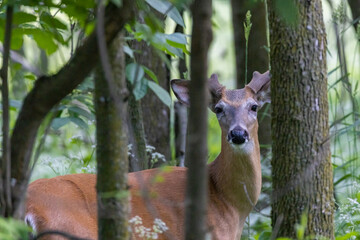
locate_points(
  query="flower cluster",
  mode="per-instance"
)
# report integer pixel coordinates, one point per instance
(140, 230)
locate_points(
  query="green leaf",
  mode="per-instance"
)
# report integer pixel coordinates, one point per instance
(265, 235)
(52, 21)
(162, 94)
(151, 74)
(43, 39)
(30, 76)
(177, 37)
(22, 17)
(77, 12)
(82, 112)
(46, 42)
(348, 236)
(128, 51)
(179, 46)
(57, 123)
(79, 122)
(140, 89)
(167, 8)
(134, 73)
(159, 41)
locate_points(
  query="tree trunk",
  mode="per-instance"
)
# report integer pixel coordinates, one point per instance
(5, 161)
(157, 120)
(258, 57)
(301, 164)
(181, 113)
(138, 160)
(196, 145)
(111, 151)
(355, 10)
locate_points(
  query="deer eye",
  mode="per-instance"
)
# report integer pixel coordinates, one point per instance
(218, 110)
(254, 108)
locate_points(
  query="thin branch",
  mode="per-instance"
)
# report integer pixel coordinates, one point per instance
(6, 158)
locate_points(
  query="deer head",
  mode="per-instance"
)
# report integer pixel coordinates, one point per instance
(236, 110)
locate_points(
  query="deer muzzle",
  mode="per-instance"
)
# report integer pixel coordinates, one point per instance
(238, 136)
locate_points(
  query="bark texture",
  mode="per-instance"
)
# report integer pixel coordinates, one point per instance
(5, 161)
(157, 114)
(196, 145)
(139, 159)
(258, 58)
(301, 164)
(111, 150)
(49, 90)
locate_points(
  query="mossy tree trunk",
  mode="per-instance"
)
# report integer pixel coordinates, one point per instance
(111, 151)
(301, 164)
(196, 143)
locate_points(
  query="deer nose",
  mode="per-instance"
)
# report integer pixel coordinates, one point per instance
(238, 136)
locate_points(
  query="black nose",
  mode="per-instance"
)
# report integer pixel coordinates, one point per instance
(238, 136)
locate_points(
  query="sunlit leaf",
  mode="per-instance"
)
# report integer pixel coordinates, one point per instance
(52, 21)
(22, 17)
(151, 74)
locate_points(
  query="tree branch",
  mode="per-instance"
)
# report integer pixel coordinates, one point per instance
(6, 160)
(49, 90)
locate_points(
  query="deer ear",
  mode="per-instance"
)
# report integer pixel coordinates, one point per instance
(260, 85)
(215, 89)
(181, 89)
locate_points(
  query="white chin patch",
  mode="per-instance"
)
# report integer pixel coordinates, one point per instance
(246, 147)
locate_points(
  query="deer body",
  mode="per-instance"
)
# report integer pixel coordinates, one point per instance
(69, 203)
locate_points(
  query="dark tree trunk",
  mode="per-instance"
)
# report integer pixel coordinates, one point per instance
(258, 57)
(48, 91)
(301, 164)
(355, 10)
(5, 161)
(157, 120)
(138, 159)
(196, 145)
(111, 150)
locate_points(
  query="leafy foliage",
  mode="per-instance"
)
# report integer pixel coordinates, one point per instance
(11, 229)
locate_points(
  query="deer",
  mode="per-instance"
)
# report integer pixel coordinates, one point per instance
(69, 203)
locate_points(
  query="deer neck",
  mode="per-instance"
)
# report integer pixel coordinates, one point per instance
(236, 175)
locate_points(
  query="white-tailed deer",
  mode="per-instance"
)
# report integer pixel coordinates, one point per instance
(68, 203)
